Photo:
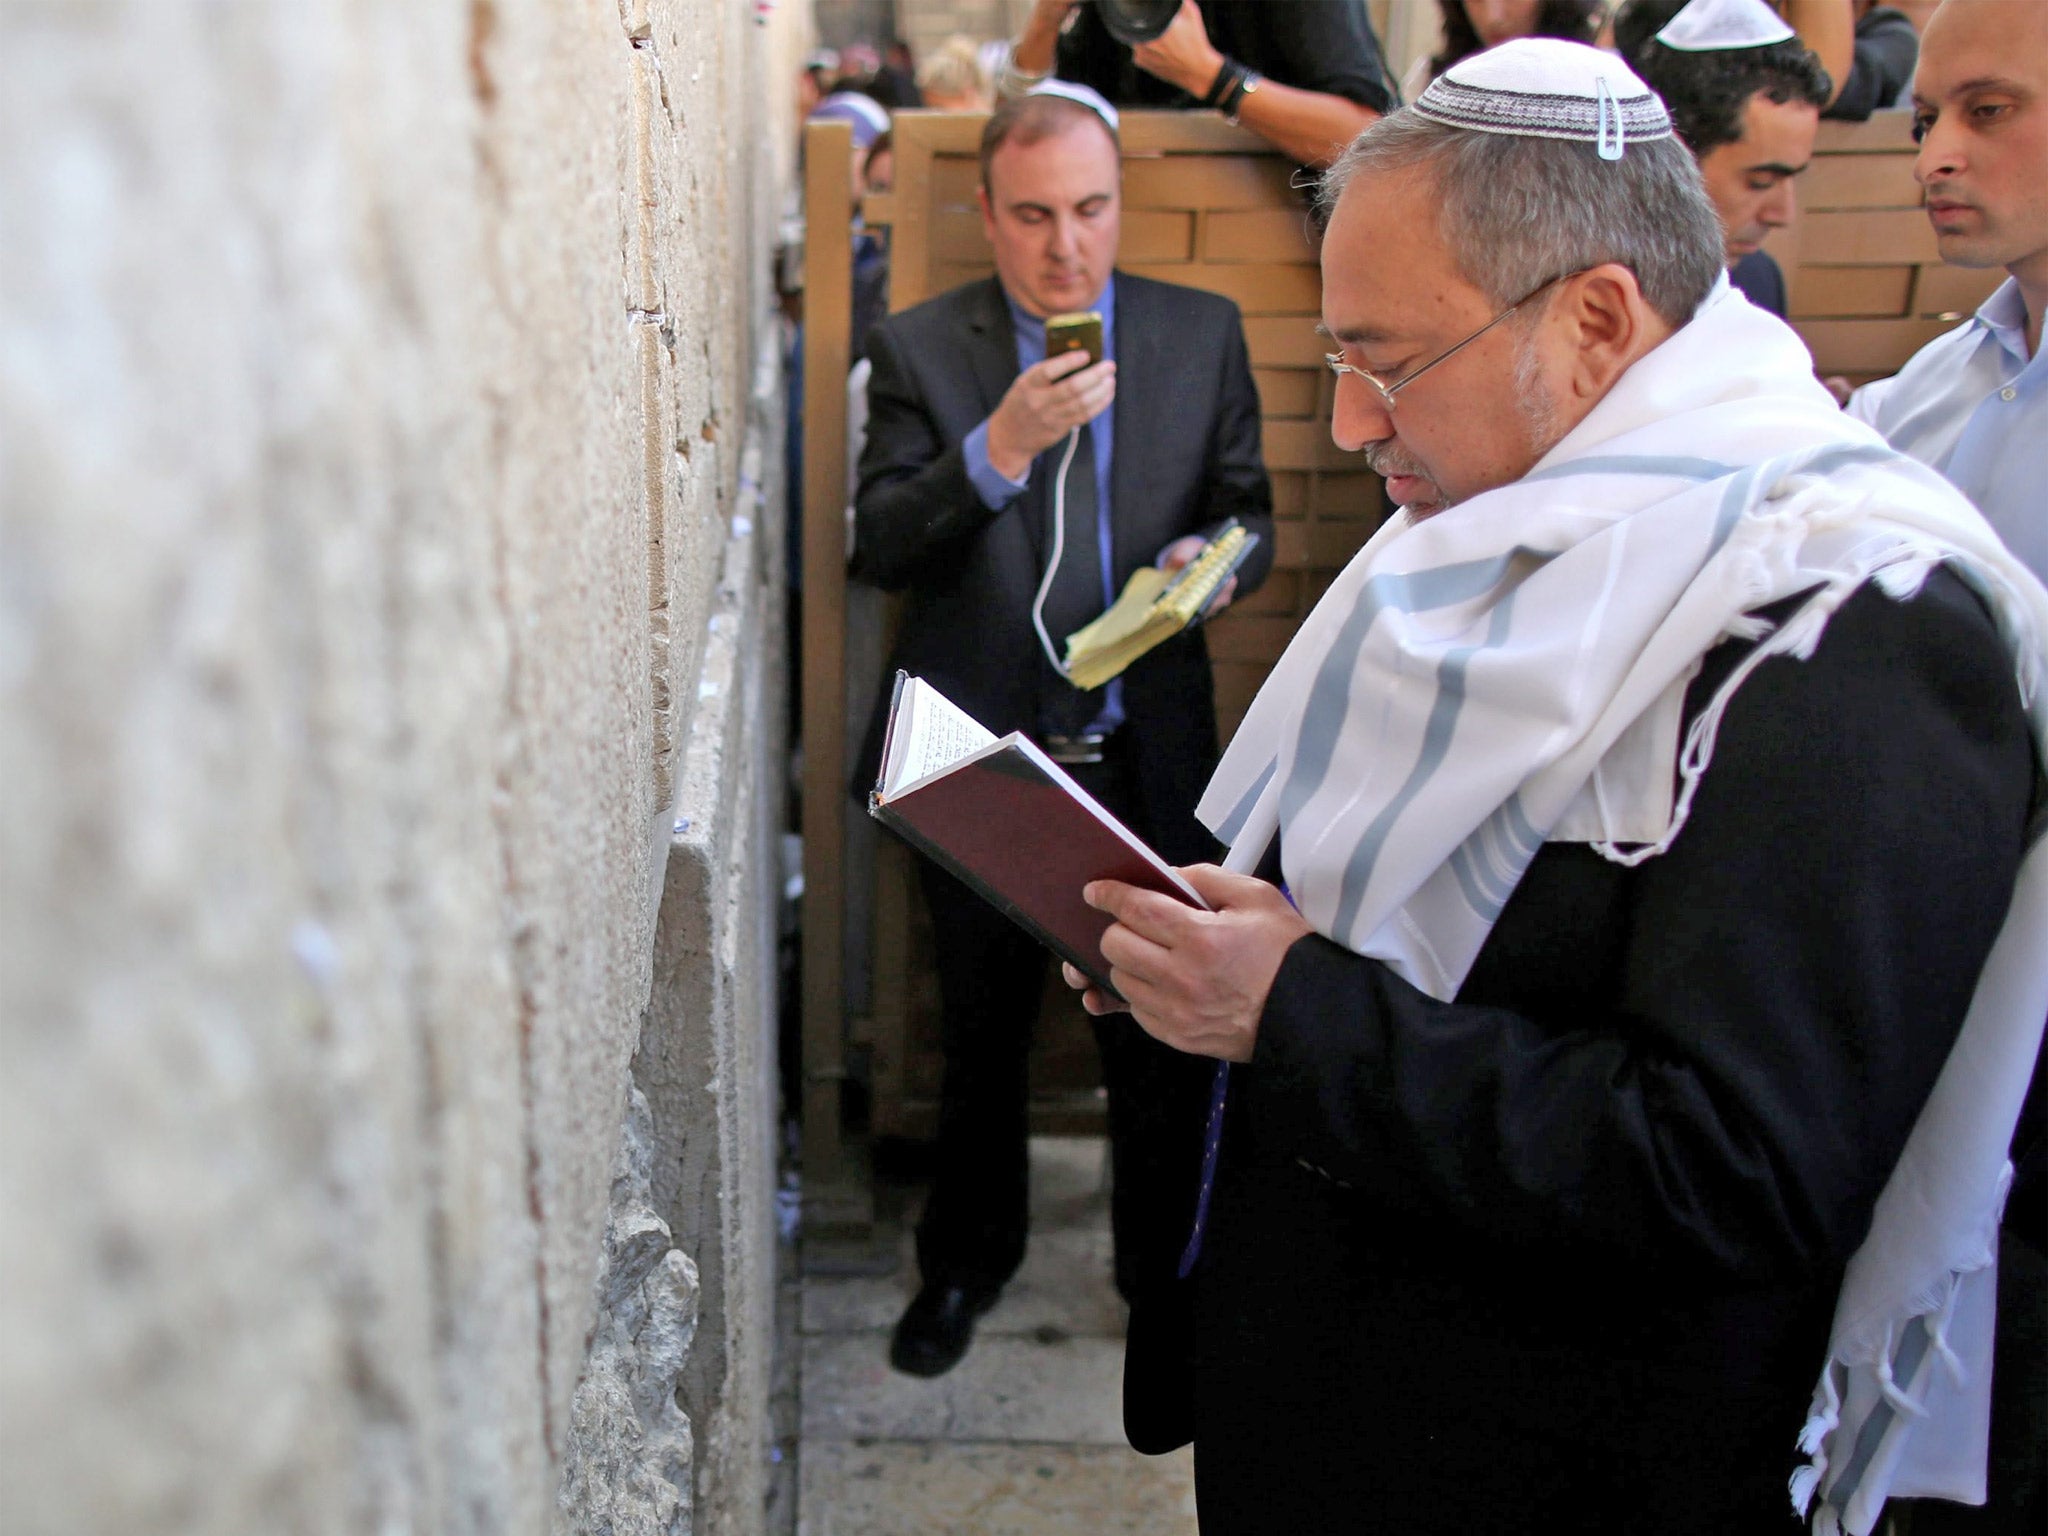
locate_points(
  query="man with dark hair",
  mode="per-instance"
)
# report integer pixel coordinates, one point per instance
(1747, 111)
(1010, 495)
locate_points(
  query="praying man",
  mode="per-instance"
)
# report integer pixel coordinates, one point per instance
(1631, 947)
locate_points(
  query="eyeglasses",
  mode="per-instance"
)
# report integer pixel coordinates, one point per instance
(1386, 392)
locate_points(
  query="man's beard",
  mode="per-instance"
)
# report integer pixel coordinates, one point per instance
(1535, 403)
(1535, 399)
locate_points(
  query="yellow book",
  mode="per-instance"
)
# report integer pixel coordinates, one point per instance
(1153, 606)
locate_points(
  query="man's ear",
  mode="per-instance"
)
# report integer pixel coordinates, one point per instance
(1609, 325)
(988, 213)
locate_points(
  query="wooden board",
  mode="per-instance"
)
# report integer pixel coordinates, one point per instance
(1820, 292)
(1868, 237)
(828, 282)
(1286, 393)
(1953, 293)
(1866, 280)
(1867, 346)
(1209, 182)
(1260, 234)
(1856, 181)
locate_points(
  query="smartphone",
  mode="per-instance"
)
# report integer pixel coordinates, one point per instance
(1080, 332)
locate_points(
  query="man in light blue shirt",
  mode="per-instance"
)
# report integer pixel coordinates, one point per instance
(1974, 403)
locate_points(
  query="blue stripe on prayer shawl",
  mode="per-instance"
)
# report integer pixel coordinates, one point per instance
(1491, 862)
(1519, 827)
(1486, 900)
(1233, 824)
(1436, 744)
(1329, 698)
(1675, 466)
(1734, 500)
(1913, 1346)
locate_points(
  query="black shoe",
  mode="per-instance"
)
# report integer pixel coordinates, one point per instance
(936, 1329)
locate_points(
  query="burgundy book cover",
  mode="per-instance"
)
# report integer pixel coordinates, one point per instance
(1022, 841)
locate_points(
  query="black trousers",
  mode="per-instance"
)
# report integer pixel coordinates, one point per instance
(991, 978)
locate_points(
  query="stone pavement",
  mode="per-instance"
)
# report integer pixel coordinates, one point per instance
(1022, 1438)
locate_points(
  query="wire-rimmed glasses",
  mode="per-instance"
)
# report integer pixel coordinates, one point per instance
(1387, 392)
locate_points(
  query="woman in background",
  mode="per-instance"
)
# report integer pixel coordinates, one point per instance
(1472, 26)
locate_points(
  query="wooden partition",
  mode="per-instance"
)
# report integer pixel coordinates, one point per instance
(1867, 286)
(1211, 206)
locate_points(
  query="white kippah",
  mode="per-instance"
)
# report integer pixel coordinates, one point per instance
(1706, 25)
(1546, 88)
(1087, 96)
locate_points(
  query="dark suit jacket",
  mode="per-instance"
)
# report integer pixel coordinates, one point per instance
(1186, 458)
(1619, 1177)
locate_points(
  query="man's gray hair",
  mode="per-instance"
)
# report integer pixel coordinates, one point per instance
(1517, 211)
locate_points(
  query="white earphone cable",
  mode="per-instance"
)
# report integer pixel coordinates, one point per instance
(1059, 543)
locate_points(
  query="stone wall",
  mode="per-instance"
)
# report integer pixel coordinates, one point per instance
(376, 378)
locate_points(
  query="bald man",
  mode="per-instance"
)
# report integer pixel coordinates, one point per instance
(1974, 405)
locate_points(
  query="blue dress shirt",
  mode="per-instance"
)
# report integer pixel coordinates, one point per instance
(997, 490)
(1973, 405)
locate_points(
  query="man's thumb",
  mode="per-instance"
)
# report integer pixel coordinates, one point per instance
(1217, 886)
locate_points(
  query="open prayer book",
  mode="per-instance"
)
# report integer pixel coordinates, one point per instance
(1154, 606)
(1009, 822)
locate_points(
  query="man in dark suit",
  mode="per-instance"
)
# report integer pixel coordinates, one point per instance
(1010, 495)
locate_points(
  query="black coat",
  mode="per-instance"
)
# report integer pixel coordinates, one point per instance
(1186, 458)
(1562, 1253)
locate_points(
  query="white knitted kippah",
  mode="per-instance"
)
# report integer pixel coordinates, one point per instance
(1086, 95)
(1708, 25)
(1546, 88)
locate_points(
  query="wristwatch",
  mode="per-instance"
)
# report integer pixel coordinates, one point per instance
(1233, 103)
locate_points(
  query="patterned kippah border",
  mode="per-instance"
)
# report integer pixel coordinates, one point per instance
(1538, 115)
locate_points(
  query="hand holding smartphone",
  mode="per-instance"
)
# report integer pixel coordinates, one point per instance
(1044, 404)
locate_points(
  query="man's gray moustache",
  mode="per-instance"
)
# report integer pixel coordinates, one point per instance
(1387, 462)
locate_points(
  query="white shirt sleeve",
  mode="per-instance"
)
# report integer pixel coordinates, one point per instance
(1866, 402)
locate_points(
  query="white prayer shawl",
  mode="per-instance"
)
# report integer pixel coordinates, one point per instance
(1513, 671)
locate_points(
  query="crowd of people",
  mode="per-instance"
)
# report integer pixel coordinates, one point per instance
(1600, 1093)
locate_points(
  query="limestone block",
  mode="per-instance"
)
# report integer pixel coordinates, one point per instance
(331, 464)
(706, 1050)
(627, 1469)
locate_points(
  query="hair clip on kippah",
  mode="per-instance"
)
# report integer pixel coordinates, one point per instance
(1546, 88)
(1607, 130)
